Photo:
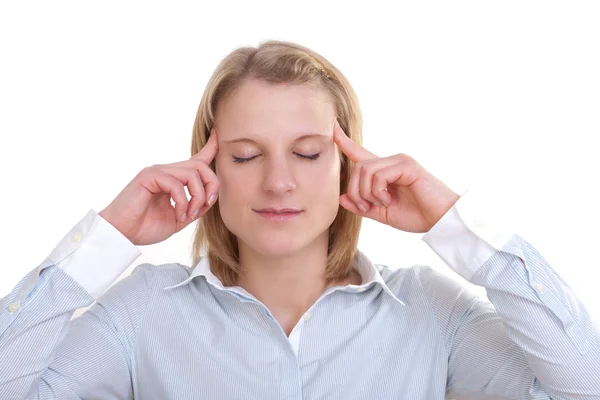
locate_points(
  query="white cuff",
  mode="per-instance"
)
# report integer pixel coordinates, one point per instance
(468, 235)
(94, 253)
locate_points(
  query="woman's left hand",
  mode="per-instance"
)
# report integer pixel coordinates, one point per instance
(394, 190)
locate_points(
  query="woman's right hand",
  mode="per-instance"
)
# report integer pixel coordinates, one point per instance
(143, 213)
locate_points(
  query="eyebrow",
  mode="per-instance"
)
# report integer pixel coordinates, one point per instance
(299, 138)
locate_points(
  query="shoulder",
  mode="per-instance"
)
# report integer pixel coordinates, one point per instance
(423, 278)
(128, 302)
(163, 274)
(449, 299)
(443, 294)
(144, 281)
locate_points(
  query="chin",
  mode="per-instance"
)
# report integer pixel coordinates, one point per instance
(281, 246)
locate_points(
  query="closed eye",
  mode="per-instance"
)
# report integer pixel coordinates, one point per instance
(310, 157)
(240, 160)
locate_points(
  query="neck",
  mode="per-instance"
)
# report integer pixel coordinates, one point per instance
(287, 284)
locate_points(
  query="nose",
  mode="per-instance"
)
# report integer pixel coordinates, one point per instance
(278, 177)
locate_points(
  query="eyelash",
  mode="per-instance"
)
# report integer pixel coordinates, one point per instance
(240, 160)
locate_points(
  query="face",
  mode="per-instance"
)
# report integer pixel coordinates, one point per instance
(276, 151)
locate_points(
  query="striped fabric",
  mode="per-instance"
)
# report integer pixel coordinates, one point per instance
(173, 332)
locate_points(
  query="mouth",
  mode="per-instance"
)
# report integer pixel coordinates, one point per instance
(282, 214)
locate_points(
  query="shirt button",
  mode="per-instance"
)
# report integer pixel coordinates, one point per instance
(307, 315)
(361, 289)
(76, 238)
(13, 307)
(540, 288)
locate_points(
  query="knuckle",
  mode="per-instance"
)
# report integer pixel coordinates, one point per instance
(403, 157)
(369, 165)
(354, 196)
(192, 174)
(152, 171)
(147, 172)
(364, 171)
(369, 196)
(378, 182)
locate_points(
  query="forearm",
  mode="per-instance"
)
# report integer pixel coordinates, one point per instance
(539, 311)
(545, 319)
(36, 315)
(30, 334)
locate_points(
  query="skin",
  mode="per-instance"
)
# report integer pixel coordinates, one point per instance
(282, 262)
(266, 124)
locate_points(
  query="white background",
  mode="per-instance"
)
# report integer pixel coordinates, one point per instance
(503, 96)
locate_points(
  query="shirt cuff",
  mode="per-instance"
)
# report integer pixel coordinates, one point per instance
(468, 235)
(94, 253)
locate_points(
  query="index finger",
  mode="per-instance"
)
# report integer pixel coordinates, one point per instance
(210, 149)
(353, 150)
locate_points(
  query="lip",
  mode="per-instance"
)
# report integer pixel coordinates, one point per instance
(282, 214)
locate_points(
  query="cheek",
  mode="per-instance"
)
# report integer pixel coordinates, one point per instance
(325, 181)
(233, 196)
(334, 172)
(233, 186)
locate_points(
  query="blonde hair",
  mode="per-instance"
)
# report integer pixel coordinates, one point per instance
(277, 62)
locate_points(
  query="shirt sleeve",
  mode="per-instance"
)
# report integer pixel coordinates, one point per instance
(536, 340)
(94, 253)
(45, 354)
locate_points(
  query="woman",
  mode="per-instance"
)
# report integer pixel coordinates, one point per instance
(283, 305)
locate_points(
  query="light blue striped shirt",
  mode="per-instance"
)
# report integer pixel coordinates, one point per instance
(174, 332)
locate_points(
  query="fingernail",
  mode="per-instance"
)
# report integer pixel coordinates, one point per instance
(362, 208)
(182, 218)
(194, 214)
(211, 199)
(378, 204)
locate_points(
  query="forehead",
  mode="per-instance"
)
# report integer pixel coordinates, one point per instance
(258, 108)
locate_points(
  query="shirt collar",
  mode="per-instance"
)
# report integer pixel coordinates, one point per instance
(369, 273)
